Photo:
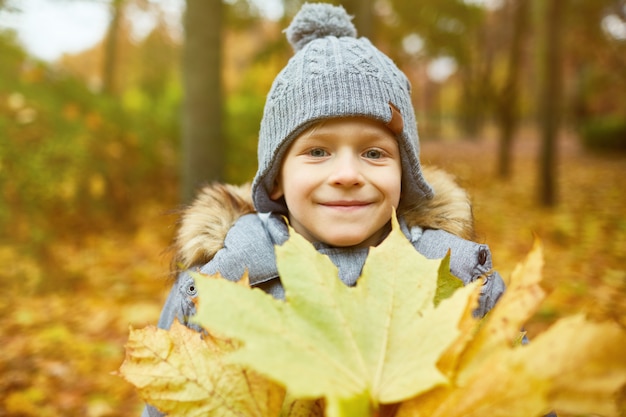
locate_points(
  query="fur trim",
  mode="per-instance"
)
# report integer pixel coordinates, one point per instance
(205, 223)
(450, 209)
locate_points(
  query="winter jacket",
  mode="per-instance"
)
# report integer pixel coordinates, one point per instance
(221, 232)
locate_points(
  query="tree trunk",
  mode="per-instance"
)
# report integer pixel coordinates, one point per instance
(471, 106)
(550, 98)
(508, 102)
(203, 144)
(110, 47)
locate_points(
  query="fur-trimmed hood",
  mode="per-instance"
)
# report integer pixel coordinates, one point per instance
(205, 223)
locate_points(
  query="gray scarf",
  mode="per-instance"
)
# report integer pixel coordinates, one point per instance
(250, 245)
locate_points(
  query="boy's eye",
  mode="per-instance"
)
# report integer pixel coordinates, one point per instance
(373, 154)
(317, 152)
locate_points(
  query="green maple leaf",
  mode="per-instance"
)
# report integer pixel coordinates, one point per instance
(358, 347)
(447, 283)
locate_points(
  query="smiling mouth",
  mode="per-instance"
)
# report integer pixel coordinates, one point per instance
(345, 204)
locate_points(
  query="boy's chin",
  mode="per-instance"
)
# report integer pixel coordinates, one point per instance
(352, 241)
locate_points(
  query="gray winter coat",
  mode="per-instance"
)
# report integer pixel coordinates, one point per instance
(220, 232)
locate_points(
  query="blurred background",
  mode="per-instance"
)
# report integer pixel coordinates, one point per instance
(114, 112)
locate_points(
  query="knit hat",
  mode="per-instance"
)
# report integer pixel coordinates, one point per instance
(334, 74)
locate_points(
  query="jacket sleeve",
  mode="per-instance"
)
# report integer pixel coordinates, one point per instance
(241, 250)
(468, 261)
(179, 305)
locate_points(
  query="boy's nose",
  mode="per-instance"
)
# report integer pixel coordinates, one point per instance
(346, 171)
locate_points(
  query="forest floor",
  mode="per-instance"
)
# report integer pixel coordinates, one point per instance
(65, 317)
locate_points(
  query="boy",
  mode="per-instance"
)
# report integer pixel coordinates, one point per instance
(337, 153)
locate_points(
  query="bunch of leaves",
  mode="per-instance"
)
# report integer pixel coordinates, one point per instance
(402, 342)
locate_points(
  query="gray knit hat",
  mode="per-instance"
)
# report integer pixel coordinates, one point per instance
(334, 74)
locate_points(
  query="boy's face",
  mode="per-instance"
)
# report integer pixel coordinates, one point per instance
(340, 180)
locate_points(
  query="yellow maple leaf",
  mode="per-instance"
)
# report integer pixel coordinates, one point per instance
(182, 373)
(358, 347)
(575, 367)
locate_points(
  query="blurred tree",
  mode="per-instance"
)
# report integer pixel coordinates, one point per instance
(110, 46)
(157, 62)
(203, 143)
(507, 102)
(240, 14)
(550, 19)
(455, 29)
(115, 39)
(596, 70)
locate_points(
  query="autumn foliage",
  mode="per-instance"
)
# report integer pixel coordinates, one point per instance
(88, 183)
(402, 341)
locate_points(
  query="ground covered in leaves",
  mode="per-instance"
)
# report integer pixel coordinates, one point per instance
(64, 314)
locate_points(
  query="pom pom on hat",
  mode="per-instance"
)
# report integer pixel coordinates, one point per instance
(319, 20)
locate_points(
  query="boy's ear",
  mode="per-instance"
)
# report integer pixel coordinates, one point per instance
(277, 190)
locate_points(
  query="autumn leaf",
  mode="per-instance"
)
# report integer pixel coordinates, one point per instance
(447, 283)
(296, 407)
(183, 374)
(518, 303)
(575, 367)
(358, 347)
